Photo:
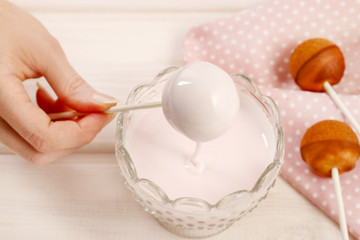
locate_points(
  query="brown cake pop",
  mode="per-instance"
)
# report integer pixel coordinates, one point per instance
(315, 65)
(330, 144)
(315, 62)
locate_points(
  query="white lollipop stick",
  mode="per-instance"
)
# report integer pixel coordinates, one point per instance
(330, 90)
(123, 108)
(340, 203)
(120, 108)
(334, 171)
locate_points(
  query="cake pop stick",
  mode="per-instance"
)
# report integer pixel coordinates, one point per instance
(316, 65)
(115, 109)
(331, 147)
(342, 106)
(200, 100)
(340, 203)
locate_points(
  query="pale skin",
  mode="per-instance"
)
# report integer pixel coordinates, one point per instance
(27, 51)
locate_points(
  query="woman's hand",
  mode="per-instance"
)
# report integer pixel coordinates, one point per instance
(27, 50)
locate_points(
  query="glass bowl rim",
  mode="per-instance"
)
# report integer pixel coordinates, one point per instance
(276, 163)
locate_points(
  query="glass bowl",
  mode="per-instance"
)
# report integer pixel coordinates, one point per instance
(187, 216)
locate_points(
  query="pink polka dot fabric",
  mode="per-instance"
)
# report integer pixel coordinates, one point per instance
(258, 42)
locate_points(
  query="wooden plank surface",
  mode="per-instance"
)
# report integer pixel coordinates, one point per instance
(83, 197)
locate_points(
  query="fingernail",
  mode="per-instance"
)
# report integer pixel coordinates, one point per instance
(112, 101)
(111, 116)
(104, 99)
(40, 85)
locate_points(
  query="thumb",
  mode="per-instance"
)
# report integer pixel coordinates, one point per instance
(72, 89)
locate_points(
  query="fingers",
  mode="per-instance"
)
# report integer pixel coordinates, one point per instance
(36, 128)
(29, 51)
(69, 86)
(17, 144)
(47, 103)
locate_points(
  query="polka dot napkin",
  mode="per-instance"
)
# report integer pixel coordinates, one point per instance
(258, 42)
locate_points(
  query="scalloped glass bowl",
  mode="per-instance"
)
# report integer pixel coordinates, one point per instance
(192, 217)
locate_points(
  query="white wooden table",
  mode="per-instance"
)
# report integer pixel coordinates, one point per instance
(116, 45)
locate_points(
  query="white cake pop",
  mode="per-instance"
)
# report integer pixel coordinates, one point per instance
(201, 101)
